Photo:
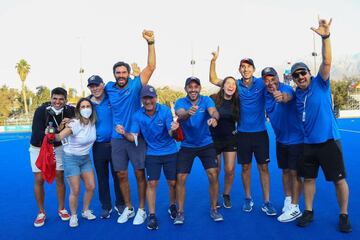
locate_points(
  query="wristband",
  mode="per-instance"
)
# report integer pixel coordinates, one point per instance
(325, 37)
(151, 42)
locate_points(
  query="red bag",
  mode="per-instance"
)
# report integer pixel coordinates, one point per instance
(46, 160)
(179, 134)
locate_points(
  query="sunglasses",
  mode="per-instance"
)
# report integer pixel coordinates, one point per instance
(297, 74)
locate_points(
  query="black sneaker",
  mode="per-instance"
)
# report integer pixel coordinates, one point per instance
(172, 211)
(152, 222)
(227, 201)
(306, 218)
(119, 209)
(344, 223)
(105, 214)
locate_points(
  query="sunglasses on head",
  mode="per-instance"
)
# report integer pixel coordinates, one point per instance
(297, 74)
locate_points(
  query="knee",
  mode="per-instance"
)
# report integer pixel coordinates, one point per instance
(246, 168)
(340, 183)
(140, 175)
(152, 184)
(263, 168)
(39, 181)
(229, 172)
(90, 186)
(75, 191)
(172, 184)
(212, 174)
(122, 176)
(181, 178)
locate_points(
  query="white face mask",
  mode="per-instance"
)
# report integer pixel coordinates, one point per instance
(57, 111)
(86, 112)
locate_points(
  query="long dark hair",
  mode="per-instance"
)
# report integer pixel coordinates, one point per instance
(235, 100)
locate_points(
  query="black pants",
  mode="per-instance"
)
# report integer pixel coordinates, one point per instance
(102, 160)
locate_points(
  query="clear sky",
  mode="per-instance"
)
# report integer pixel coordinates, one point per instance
(49, 35)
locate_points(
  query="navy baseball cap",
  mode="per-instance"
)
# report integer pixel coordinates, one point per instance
(95, 80)
(298, 66)
(268, 71)
(192, 79)
(248, 61)
(148, 91)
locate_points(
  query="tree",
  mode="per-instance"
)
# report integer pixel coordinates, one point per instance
(8, 101)
(23, 69)
(165, 95)
(42, 95)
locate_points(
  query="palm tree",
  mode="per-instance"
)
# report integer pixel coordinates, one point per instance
(23, 69)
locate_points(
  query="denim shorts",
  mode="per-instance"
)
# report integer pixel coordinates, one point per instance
(76, 165)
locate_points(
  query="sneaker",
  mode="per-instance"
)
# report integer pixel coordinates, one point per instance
(88, 215)
(74, 222)
(287, 203)
(268, 208)
(218, 205)
(292, 213)
(126, 215)
(140, 217)
(179, 218)
(216, 216)
(306, 218)
(172, 211)
(105, 214)
(119, 209)
(40, 219)
(227, 201)
(248, 204)
(344, 223)
(152, 223)
(64, 215)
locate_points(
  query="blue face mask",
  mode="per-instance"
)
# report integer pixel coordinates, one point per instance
(86, 112)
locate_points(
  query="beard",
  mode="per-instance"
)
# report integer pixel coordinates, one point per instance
(121, 81)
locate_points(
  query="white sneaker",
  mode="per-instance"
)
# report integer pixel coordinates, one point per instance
(140, 217)
(74, 222)
(126, 215)
(88, 215)
(287, 203)
(292, 213)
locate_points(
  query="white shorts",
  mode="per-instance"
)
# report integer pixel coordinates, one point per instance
(34, 153)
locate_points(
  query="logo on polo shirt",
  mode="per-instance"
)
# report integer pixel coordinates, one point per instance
(160, 123)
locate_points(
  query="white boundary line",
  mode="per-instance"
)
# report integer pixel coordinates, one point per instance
(352, 131)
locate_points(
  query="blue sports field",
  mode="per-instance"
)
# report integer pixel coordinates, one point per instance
(18, 207)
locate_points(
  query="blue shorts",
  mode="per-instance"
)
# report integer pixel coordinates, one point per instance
(153, 166)
(76, 165)
(253, 143)
(207, 155)
(122, 151)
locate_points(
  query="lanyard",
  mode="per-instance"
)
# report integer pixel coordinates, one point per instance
(304, 111)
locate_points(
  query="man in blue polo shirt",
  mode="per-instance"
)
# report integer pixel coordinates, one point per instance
(322, 145)
(196, 113)
(154, 121)
(102, 147)
(124, 97)
(252, 134)
(280, 104)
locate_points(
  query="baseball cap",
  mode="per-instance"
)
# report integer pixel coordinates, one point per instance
(192, 79)
(268, 71)
(95, 80)
(148, 91)
(248, 61)
(298, 66)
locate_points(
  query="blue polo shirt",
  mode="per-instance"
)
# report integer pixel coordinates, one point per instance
(195, 128)
(104, 120)
(314, 106)
(283, 117)
(125, 102)
(155, 130)
(252, 106)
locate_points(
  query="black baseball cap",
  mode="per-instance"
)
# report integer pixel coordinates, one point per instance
(95, 80)
(268, 71)
(148, 91)
(248, 61)
(298, 66)
(192, 79)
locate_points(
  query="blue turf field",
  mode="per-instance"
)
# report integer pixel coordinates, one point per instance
(18, 207)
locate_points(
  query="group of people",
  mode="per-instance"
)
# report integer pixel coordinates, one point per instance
(122, 121)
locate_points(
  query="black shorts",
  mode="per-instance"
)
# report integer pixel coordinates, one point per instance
(225, 145)
(153, 165)
(289, 155)
(250, 143)
(328, 156)
(187, 155)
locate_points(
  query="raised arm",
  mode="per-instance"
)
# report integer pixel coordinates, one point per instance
(213, 76)
(324, 31)
(151, 63)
